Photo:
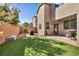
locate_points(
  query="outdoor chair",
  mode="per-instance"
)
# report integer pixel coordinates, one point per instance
(74, 35)
(71, 35)
(68, 34)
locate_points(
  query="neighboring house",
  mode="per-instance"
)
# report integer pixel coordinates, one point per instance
(9, 30)
(27, 29)
(32, 29)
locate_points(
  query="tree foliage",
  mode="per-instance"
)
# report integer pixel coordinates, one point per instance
(15, 19)
(25, 24)
(9, 15)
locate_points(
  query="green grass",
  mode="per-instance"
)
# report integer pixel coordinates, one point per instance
(37, 47)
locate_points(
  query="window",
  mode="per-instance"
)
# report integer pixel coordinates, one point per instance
(58, 5)
(70, 24)
(66, 24)
(40, 26)
(73, 24)
(47, 25)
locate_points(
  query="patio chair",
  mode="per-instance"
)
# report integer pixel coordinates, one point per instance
(74, 35)
(68, 34)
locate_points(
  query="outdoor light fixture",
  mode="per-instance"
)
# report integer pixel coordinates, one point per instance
(1, 33)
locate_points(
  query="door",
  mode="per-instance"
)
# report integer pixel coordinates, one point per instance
(56, 29)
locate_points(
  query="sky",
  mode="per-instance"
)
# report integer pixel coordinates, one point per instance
(27, 11)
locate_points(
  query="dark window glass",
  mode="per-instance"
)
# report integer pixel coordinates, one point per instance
(73, 24)
(40, 26)
(66, 24)
(70, 24)
(58, 5)
(47, 25)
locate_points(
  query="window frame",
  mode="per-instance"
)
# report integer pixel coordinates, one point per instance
(47, 25)
(70, 24)
(66, 24)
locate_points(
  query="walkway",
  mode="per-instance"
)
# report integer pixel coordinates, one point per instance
(60, 38)
(63, 39)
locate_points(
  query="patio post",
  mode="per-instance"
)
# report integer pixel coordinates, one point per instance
(78, 28)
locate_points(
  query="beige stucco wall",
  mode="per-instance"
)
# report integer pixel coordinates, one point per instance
(62, 31)
(66, 10)
(47, 18)
(59, 15)
(78, 28)
(40, 16)
(34, 21)
(46, 14)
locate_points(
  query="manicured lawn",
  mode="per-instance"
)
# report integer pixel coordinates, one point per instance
(37, 47)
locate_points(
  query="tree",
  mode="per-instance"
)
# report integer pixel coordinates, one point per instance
(9, 15)
(25, 27)
(25, 30)
(25, 24)
(4, 9)
(15, 19)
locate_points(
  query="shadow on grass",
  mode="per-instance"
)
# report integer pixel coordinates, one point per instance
(40, 47)
(31, 47)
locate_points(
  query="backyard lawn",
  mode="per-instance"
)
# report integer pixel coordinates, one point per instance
(37, 47)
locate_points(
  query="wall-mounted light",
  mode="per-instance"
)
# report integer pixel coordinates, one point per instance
(1, 33)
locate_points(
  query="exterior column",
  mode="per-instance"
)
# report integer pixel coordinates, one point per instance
(77, 26)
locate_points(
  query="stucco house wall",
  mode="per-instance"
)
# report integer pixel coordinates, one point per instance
(61, 29)
(47, 18)
(34, 23)
(64, 11)
(52, 15)
(48, 13)
(40, 16)
(45, 13)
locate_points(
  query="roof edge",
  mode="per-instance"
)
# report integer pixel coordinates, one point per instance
(40, 6)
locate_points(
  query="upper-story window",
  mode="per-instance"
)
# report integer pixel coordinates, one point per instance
(58, 5)
(40, 26)
(47, 25)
